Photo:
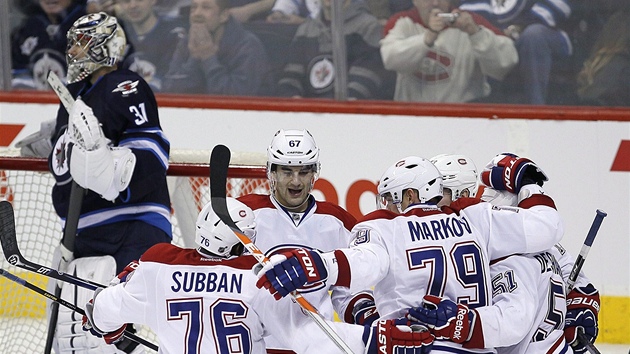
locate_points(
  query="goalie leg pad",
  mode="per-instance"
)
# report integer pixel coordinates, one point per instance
(70, 336)
(104, 170)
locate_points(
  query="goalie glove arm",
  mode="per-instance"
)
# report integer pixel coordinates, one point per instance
(104, 170)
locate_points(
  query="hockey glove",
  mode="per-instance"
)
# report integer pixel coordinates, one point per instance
(582, 312)
(125, 274)
(396, 336)
(364, 312)
(510, 172)
(289, 271)
(447, 319)
(87, 323)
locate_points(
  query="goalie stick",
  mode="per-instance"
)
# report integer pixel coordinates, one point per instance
(14, 256)
(219, 163)
(74, 209)
(70, 305)
(577, 267)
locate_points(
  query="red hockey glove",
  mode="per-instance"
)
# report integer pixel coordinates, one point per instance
(396, 336)
(445, 318)
(289, 271)
(125, 274)
(364, 312)
(87, 323)
(582, 312)
(510, 172)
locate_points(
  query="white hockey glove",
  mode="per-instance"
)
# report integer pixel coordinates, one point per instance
(104, 170)
(66, 257)
(84, 128)
(38, 144)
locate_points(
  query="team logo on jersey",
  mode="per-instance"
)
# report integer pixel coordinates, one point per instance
(127, 87)
(435, 67)
(362, 237)
(60, 166)
(321, 73)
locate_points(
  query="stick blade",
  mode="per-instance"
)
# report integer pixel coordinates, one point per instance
(7, 233)
(219, 164)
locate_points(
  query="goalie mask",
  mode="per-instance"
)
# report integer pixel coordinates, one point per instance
(293, 148)
(216, 238)
(458, 174)
(411, 172)
(95, 40)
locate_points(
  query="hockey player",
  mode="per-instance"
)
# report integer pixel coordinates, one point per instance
(291, 218)
(529, 304)
(204, 301)
(112, 145)
(425, 251)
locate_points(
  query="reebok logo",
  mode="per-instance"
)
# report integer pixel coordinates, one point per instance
(459, 325)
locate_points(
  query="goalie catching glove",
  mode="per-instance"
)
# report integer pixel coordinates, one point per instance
(291, 270)
(582, 312)
(446, 319)
(509, 172)
(396, 337)
(87, 323)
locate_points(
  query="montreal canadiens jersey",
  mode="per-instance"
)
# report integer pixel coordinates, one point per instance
(426, 251)
(126, 107)
(323, 226)
(210, 305)
(529, 305)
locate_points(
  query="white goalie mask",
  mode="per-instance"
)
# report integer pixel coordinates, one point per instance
(100, 41)
(216, 238)
(411, 172)
(293, 148)
(458, 174)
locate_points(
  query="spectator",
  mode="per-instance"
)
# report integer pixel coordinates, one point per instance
(153, 38)
(605, 77)
(218, 56)
(294, 12)
(38, 45)
(535, 26)
(309, 70)
(444, 59)
(383, 9)
(250, 10)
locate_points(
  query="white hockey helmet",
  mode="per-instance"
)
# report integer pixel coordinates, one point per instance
(293, 148)
(216, 238)
(411, 172)
(102, 40)
(458, 173)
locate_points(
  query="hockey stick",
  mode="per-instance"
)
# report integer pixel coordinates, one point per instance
(74, 210)
(577, 267)
(14, 256)
(219, 163)
(69, 305)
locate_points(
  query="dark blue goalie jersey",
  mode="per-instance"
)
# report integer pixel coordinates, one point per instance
(126, 107)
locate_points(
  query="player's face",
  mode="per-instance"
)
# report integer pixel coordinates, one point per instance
(207, 12)
(387, 202)
(78, 46)
(136, 11)
(293, 185)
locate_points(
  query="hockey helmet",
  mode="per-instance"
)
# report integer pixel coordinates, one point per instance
(411, 172)
(458, 173)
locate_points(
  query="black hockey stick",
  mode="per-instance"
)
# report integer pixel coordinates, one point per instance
(70, 305)
(577, 267)
(74, 210)
(219, 164)
(14, 256)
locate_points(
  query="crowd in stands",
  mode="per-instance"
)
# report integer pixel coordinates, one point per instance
(540, 52)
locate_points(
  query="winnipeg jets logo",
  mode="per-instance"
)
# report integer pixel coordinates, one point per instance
(127, 87)
(321, 74)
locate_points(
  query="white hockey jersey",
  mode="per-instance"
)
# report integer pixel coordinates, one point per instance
(324, 227)
(426, 251)
(211, 305)
(529, 305)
